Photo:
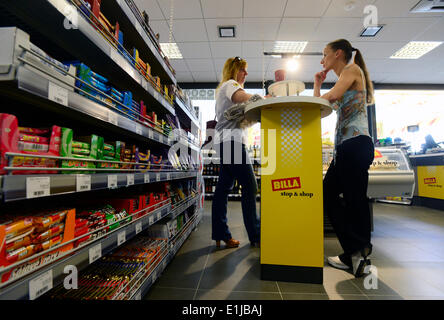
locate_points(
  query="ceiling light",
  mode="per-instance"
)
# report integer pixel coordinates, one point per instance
(415, 49)
(276, 56)
(370, 31)
(292, 65)
(171, 50)
(290, 46)
(227, 32)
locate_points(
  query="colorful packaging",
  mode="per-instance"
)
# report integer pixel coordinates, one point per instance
(34, 131)
(80, 151)
(32, 138)
(81, 145)
(33, 147)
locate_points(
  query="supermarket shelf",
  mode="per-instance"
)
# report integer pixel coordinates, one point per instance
(183, 206)
(133, 30)
(35, 84)
(80, 258)
(187, 112)
(14, 186)
(174, 248)
(217, 177)
(88, 44)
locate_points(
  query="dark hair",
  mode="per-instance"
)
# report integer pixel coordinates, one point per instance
(347, 48)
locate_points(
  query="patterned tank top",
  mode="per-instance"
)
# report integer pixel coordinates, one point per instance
(351, 111)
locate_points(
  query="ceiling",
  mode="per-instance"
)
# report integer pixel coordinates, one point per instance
(259, 23)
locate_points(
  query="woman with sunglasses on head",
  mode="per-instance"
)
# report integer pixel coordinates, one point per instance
(235, 162)
(353, 155)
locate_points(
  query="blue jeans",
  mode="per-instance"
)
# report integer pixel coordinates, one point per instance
(243, 173)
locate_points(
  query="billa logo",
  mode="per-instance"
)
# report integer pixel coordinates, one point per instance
(429, 180)
(286, 184)
(378, 154)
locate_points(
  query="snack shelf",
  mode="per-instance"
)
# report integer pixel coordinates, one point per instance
(174, 246)
(14, 187)
(31, 82)
(186, 111)
(129, 22)
(88, 44)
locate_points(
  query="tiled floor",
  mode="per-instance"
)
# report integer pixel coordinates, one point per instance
(408, 254)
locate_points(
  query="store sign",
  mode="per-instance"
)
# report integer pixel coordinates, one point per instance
(429, 180)
(286, 184)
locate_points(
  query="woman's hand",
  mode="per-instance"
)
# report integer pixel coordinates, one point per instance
(319, 77)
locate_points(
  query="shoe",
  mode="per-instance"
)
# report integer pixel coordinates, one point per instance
(359, 262)
(335, 262)
(231, 243)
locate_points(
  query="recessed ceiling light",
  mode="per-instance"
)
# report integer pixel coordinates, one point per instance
(227, 32)
(370, 31)
(171, 50)
(290, 46)
(292, 65)
(415, 49)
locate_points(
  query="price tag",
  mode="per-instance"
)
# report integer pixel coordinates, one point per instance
(83, 183)
(138, 296)
(57, 94)
(154, 275)
(121, 238)
(156, 95)
(129, 179)
(159, 215)
(147, 177)
(40, 285)
(164, 263)
(157, 177)
(37, 187)
(168, 176)
(138, 129)
(114, 55)
(112, 118)
(150, 134)
(139, 28)
(112, 181)
(160, 138)
(95, 253)
(151, 219)
(138, 227)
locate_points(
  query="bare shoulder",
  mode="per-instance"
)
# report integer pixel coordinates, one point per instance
(352, 69)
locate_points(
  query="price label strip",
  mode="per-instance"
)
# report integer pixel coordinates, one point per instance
(83, 183)
(112, 181)
(138, 129)
(147, 177)
(95, 253)
(57, 94)
(40, 285)
(138, 227)
(157, 177)
(37, 187)
(121, 238)
(150, 134)
(151, 219)
(112, 118)
(130, 179)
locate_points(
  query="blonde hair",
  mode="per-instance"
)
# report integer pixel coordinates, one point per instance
(231, 69)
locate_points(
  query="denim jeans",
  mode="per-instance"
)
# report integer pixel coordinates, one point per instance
(348, 175)
(243, 173)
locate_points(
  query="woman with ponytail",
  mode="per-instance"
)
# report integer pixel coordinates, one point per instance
(353, 155)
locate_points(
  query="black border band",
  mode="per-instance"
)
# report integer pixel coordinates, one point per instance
(274, 272)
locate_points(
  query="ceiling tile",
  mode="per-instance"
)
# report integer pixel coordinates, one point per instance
(200, 65)
(161, 27)
(297, 29)
(254, 77)
(260, 28)
(204, 76)
(337, 8)
(225, 49)
(255, 49)
(151, 8)
(255, 64)
(330, 29)
(219, 64)
(183, 9)
(263, 8)
(195, 50)
(179, 65)
(189, 30)
(213, 32)
(434, 33)
(404, 29)
(298, 8)
(222, 9)
(400, 8)
(377, 50)
(184, 77)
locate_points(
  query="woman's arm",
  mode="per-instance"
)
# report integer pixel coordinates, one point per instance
(240, 96)
(344, 82)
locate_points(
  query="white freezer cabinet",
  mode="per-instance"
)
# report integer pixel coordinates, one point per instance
(390, 175)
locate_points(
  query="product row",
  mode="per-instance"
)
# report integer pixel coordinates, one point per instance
(120, 274)
(62, 142)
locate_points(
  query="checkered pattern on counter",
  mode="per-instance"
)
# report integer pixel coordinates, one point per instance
(291, 135)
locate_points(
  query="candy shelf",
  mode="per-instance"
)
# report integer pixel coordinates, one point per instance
(183, 109)
(87, 43)
(84, 255)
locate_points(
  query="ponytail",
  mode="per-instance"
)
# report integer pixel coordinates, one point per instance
(347, 48)
(359, 60)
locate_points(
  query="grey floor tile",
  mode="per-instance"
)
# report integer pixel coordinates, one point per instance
(301, 288)
(235, 295)
(381, 298)
(160, 293)
(304, 296)
(347, 297)
(424, 298)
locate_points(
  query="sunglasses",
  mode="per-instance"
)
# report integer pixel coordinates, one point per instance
(237, 59)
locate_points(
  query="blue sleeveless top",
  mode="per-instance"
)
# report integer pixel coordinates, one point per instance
(352, 118)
